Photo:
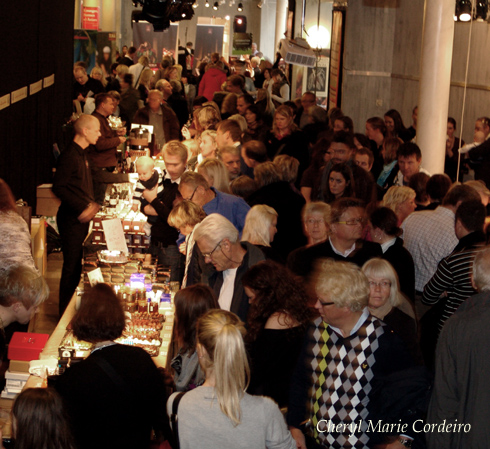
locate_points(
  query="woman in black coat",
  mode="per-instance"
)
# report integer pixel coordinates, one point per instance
(383, 225)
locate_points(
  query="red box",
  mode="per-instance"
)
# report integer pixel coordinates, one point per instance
(26, 346)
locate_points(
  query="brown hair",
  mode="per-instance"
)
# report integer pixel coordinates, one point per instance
(191, 303)
(101, 316)
(232, 127)
(276, 290)
(40, 420)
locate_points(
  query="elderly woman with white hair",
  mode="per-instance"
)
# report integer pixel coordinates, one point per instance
(387, 303)
(260, 229)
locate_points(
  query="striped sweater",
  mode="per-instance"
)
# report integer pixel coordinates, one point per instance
(453, 276)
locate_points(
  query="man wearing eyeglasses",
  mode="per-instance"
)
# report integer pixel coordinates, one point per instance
(218, 240)
(345, 243)
(347, 353)
(195, 188)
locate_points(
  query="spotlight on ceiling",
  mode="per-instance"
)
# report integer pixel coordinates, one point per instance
(260, 4)
(207, 4)
(481, 10)
(463, 10)
(240, 7)
(215, 6)
(195, 5)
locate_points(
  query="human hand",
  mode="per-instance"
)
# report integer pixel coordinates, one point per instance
(80, 97)
(150, 194)
(88, 213)
(134, 207)
(186, 133)
(182, 248)
(121, 131)
(298, 437)
(122, 139)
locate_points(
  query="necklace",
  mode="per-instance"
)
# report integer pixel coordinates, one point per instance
(103, 346)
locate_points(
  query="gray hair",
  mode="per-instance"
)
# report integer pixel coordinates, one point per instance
(20, 283)
(214, 228)
(381, 268)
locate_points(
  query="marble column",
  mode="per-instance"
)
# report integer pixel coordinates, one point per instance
(435, 77)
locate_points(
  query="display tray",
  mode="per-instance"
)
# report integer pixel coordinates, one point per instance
(112, 257)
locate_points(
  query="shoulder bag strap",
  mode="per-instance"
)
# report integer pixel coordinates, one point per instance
(174, 418)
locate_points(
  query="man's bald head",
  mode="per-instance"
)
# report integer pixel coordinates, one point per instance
(84, 121)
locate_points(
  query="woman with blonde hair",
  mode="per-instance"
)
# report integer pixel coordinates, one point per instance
(96, 74)
(208, 117)
(184, 217)
(220, 413)
(401, 200)
(260, 229)
(143, 84)
(216, 174)
(387, 302)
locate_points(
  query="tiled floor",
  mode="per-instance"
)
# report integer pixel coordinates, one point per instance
(47, 317)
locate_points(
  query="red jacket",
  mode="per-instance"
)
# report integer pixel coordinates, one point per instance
(211, 82)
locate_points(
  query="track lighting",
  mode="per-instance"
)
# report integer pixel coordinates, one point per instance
(240, 7)
(215, 6)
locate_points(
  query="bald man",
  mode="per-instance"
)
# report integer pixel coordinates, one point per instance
(73, 186)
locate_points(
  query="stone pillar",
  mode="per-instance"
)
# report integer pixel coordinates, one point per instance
(435, 77)
(281, 18)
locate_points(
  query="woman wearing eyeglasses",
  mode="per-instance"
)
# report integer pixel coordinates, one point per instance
(387, 303)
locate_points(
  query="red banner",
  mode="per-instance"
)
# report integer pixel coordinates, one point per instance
(90, 17)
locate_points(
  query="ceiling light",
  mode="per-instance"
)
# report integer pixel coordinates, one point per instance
(463, 10)
(215, 6)
(227, 17)
(481, 10)
(195, 5)
(207, 4)
(259, 5)
(240, 7)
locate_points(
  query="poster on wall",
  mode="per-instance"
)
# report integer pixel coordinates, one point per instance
(155, 45)
(106, 50)
(90, 17)
(209, 39)
(242, 44)
(315, 79)
(95, 49)
(85, 47)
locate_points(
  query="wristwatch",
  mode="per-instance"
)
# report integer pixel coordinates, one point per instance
(405, 442)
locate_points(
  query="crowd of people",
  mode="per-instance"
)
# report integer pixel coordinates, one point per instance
(320, 268)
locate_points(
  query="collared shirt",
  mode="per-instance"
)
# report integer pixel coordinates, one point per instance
(340, 253)
(400, 181)
(360, 322)
(429, 236)
(387, 245)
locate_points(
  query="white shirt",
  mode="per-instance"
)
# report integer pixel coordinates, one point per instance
(227, 289)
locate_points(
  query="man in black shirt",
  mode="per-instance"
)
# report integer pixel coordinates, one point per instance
(73, 186)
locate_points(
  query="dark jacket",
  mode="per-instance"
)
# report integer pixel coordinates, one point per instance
(171, 127)
(302, 261)
(239, 303)
(401, 260)
(288, 204)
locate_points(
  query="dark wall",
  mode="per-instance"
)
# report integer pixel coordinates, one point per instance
(37, 37)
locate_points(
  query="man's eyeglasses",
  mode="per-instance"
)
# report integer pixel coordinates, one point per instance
(211, 253)
(192, 196)
(353, 222)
